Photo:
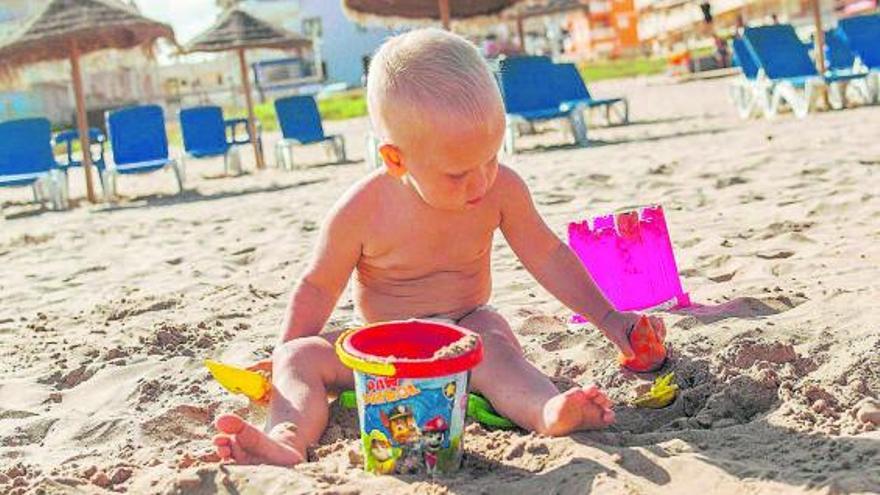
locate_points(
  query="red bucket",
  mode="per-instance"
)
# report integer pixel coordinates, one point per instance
(411, 387)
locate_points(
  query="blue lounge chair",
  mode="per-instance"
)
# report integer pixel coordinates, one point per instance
(838, 56)
(840, 60)
(67, 138)
(529, 96)
(571, 89)
(783, 59)
(137, 136)
(750, 96)
(862, 35)
(533, 61)
(26, 160)
(207, 134)
(301, 125)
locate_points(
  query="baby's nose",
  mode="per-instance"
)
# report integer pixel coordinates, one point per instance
(478, 185)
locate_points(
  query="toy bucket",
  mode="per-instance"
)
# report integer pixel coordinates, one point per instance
(411, 385)
(630, 257)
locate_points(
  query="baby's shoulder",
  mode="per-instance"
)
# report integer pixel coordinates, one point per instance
(509, 182)
(365, 195)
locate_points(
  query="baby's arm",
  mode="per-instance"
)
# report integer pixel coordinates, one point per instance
(553, 263)
(336, 255)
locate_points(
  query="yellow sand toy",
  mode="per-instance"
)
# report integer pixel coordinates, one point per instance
(662, 393)
(252, 384)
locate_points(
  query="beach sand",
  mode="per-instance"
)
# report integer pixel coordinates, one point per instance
(108, 312)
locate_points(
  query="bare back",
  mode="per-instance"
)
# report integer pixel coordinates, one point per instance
(421, 261)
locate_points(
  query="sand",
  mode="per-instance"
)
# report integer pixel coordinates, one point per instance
(465, 344)
(108, 312)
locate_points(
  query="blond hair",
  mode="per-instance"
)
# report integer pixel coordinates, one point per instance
(430, 70)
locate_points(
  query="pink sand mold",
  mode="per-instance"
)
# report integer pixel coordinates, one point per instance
(630, 257)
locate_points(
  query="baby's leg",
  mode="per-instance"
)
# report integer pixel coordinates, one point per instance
(519, 391)
(302, 371)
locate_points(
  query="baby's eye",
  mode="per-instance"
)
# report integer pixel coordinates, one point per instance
(457, 176)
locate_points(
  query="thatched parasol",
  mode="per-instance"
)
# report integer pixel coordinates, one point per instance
(70, 28)
(238, 30)
(366, 11)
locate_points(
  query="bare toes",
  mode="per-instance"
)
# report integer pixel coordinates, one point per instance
(224, 453)
(603, 401)
(248, 444)
(590, 391)
(608, 417)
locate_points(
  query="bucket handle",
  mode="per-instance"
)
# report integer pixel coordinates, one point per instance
(353, 362)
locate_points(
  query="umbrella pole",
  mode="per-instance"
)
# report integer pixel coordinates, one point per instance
(820, 37)
(820, 49)
(82, 122)
(444, 13)
(252, 120)
(520, 29)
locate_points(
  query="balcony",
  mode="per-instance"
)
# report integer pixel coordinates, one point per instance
(600, 7)
(602, 34)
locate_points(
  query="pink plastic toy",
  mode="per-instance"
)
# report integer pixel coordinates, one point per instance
(630, 257)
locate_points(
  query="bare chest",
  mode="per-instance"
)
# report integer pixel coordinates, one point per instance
(413, 243)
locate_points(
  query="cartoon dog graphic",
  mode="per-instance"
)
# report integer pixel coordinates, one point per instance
(433, 437)
(382, 453)
(401, 423)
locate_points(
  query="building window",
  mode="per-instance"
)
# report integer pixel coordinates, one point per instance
(312, 27)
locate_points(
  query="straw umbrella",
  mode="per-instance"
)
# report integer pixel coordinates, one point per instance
(236, 30)
(414, 10)
(68, 29)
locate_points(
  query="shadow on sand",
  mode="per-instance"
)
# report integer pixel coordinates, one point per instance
(595, 143)
(192, 196)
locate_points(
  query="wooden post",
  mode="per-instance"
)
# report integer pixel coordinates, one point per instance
(82, 122)
(252, 120)
(820, 37)
(522, 34)
(444, 13)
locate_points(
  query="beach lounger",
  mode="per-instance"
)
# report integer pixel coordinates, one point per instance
(373, 159)
(571, 89)
(67, 139)
(750, 96)
(838, 56)
(862, 35)
(301, 125)
(139, 143)
(533, 61)
(529, 96)
(207, 134)
(26, 159)
(783, 59)
(841, 60)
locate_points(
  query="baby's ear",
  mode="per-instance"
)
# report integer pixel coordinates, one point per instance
(393, 160)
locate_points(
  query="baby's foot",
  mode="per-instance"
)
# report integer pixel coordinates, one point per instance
(577, 409)
(243, 443)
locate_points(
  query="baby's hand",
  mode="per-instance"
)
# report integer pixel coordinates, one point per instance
(264, 368)
(617, 325)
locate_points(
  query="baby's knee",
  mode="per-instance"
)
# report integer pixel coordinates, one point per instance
(304, 351)
(492, 328)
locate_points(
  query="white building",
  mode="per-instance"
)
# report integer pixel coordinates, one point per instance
(343, 43)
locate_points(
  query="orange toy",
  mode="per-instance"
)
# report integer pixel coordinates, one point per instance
(647, 344)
